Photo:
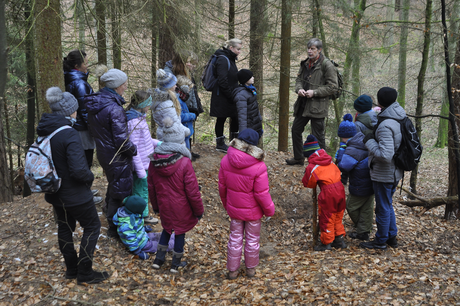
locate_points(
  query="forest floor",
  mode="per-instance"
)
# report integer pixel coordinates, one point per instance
(424, 270)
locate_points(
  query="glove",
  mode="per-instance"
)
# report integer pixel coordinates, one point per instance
(195, 111)
(368, 137)
(143, 255)
(148, 228)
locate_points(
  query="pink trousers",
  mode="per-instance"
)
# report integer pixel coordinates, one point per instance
(251, 231)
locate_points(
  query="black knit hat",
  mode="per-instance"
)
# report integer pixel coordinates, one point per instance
(244, 75)
(387, 96)
(363, 103)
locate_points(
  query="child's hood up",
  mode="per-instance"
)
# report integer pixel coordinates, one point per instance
(320, 157)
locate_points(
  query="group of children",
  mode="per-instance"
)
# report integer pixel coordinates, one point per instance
(365, 159)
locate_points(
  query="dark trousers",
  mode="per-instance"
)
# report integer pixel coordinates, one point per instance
(298, 126)
(89, 154)
(112, 206)
(67, 218)
(179, 241)
(220, 122)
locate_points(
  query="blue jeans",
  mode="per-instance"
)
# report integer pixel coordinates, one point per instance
(384, 212)
(179, 241)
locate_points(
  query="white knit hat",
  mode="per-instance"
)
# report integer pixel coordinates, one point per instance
(114, 78)
(63, 103)
(173, 131)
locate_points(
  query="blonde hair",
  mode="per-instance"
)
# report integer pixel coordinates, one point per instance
(175, 102)
(233, 42)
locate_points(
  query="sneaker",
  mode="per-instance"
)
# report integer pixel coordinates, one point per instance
(362, 236)
(95, 192)
(373, 245)
(195, 155)
(293, 161)
(150, 220)
(392, 242)
(232, 274)
(98, 200)
(322, 247)
(251, 272)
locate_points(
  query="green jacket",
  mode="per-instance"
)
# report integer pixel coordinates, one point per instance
(323, 82)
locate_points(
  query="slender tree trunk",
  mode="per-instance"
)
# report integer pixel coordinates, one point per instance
(6, 190)
(421, 83)
(285, 74)
(315, 18)
(81, 24)
(198, 14)
(404, 16)
(320, 27)
(231, 19)
(390, 15)
(48, 50)
(168, 32)
(153, 79)
(101, 33)
(116, 35)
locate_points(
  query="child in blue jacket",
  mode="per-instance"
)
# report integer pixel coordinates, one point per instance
(186, 117)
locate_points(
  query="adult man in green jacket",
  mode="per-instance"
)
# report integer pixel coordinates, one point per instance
(315, 82)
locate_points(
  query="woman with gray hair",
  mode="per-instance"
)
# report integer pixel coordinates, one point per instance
(222, 105)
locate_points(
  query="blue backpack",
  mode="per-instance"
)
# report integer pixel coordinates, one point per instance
(209, 77)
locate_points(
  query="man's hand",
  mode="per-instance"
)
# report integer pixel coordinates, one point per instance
(302, 93)
(309, 93)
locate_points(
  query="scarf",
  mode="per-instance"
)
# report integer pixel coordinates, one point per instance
(251, 88)
(170, 148)
(114, 92)
(133, 113)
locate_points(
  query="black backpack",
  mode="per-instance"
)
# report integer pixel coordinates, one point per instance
(409, 152)
(209, 77)
(339, 91)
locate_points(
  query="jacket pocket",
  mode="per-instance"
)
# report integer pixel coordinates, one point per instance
(318, 106)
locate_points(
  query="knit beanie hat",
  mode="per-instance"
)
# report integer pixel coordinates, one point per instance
(62, 103)
(244, 75)
(363, 103)
(347, 128)
(387, 96)
(250, 136)
(134, 204)
(165, 80)
(114, 78)
(173, 131)
(310, 146)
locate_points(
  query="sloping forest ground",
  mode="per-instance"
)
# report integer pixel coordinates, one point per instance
(424, 270)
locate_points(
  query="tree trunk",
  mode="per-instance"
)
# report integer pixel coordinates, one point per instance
(320, 26)
(80, 12)
(390, 15)
(101, 31)
(168, 32)
(258, 28)
(48, 49)
(231, 19)
(6, 190)
(403, 16)
(153, 79)
(8, 136)
(285, 74)
(421, 83)
(116, 34)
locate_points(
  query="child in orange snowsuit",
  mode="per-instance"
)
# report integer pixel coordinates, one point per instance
(331, 200)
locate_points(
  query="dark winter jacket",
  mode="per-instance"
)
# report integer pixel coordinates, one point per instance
(365, 122)
(108, 125)
(76, 83)
(70, 163)
(248, 109)
(222, 99)
(323, 82)
(355, 162)
(174, 192)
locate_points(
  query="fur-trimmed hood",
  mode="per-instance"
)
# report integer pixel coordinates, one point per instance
(242, 155)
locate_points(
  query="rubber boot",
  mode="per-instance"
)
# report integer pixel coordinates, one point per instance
(86, 274)
(339, 243)
(233, 135)
(71, 262)
(112, 230)
(161, 255)
(322, 247)
(220, 144)
(177, 263)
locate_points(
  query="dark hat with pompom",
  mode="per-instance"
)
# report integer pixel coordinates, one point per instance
(347, 128)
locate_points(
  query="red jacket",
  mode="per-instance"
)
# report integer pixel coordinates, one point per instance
(320, 170)
(174, 191)
(243, 183)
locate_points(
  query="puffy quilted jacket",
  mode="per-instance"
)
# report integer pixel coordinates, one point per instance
(133, 236)
(320, 170)
(76, 83)
(243, 183)
(108, 125)
(174, 192)
(248, 109)
(366, 121)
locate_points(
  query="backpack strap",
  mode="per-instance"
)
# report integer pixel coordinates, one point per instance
(228, 62)
(57, 131)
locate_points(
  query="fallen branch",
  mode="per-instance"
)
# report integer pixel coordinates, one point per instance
(427, 203)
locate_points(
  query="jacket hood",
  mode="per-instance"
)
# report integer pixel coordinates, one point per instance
(320, 157)
(243, 155)
(394, 111)
(357, 141)
(75, 75)
(165, 164)
(369, 119)
(228, 53)
(102, 99)
(50, 122)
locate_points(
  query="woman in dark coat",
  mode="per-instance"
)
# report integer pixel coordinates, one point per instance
(108, 125)
(222, 105)
(74, 199)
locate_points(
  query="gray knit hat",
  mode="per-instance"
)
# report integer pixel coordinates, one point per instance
(173, 131)
(114, 78)
(62, 103)
(165, 80)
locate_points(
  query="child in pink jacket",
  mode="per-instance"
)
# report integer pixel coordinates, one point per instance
(139, 134)
(244, 191)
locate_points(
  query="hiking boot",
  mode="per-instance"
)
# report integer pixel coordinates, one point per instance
(362, 236)
(339, 243)
(220, 144)
(251, 272)
(112, 232)
(293, 161)
(373, 245)
(95, 192)
(150, 220)
(161, 255)
(98, 200)
(86, 274)
(322, 247)
(392, 242)
(232, 274)
(177, 263)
